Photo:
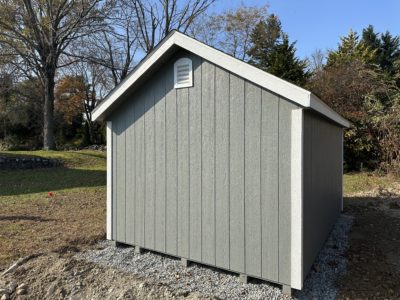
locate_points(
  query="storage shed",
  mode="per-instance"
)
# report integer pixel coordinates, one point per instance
(217, 162)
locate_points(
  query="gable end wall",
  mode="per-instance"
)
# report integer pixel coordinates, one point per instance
(204, 172)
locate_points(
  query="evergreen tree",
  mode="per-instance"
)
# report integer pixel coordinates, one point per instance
(273, 53)
(351, 49)
(263, 37)
(387, 48)
(370, 37)
(389, 52)
(282, 62)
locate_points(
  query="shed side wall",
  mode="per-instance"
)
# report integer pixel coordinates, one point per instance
(204, 172)
(322, 183)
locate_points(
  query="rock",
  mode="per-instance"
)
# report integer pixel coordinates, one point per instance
(63, 292)
(5, 297)
(3, 291)
(12, 286)
(21, 291)
(51, 290)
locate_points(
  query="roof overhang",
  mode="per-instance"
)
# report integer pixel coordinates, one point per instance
(270, 82)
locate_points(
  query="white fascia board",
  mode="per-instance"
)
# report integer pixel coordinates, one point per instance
(296, 190)
(134, 76)
(268, 81)
(109, 181)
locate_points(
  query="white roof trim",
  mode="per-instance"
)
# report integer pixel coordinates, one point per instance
(270, 82)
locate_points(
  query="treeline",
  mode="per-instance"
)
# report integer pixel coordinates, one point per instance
(59, 59)
(361, 81)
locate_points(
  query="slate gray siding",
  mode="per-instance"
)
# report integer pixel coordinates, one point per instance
(322, 180)
(204, 172)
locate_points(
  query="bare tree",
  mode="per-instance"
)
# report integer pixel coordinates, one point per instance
(97, 86)
(92, 82)
(116, 46)
(155, 19)
(231, 30)
(316, 60)
(38, 33)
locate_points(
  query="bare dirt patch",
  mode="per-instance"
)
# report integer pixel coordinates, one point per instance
(62, 277)
(64, 222)
(374, 252)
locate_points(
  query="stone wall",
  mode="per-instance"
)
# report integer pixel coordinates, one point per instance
(27, 163)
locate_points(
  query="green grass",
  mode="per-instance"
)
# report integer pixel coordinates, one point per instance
(33, 221)
(81, 169)
(354, 183)
(84, 159)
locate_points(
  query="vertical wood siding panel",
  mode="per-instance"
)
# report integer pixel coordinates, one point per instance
(222, 167)
(140, 174)
(171, 158)
(285, 111)
(269, 185)
(130, 175)
(252, 179)
(114, 179)
(195, 160)
(149, 168)
(183, 172)
(121, 177)
(159, 92)
(208, 152)
(237, 254)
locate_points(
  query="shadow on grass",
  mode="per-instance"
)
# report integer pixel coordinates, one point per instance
(65, 158)
(24, 218)
(17, 182)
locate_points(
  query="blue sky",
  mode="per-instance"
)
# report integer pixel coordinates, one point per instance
(318, 24)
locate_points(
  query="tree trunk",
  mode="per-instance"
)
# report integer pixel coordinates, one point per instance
(91, 133)
(48, 128)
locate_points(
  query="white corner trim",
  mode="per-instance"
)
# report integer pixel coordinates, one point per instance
(268, 81)
(109, 180)
(296, 180)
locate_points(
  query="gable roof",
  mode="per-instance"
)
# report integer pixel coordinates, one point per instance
(268, 81)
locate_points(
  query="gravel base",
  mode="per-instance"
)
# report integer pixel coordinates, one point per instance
(214, 283)
(330, 264)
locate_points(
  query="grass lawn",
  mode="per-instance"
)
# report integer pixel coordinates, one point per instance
(32, 220)
(354, 183)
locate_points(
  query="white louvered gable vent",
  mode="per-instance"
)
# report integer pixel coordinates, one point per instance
(183, 76)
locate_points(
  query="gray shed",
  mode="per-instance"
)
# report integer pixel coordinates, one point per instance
(217, 162)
